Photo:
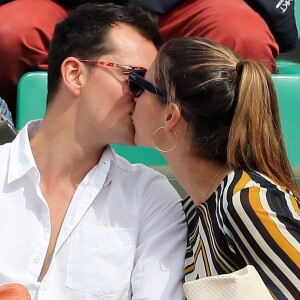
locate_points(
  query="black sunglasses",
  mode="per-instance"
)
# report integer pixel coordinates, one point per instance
(138, 84)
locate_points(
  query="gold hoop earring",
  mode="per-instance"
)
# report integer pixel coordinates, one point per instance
(162, 150)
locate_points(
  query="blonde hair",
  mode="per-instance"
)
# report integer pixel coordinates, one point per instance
(230, 106)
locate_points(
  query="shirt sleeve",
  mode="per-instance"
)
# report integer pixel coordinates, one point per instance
(159, 262)
(265, 228)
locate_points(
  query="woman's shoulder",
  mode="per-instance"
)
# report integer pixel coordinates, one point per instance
(246, 179)
(252, 193)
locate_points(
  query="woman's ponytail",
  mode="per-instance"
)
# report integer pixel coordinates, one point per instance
(255, 139)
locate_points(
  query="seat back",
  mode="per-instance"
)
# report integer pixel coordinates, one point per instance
(31, 104)
(288, 93)
(31, 97)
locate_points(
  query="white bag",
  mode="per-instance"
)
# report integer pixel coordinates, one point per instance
(244, 284)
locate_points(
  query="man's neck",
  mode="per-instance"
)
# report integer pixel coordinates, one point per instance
(60, 157)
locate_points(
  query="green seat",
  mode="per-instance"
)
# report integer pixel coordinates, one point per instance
(139, 154)
(286, 66)
(31, 104)
(288, 93)
(31, 97)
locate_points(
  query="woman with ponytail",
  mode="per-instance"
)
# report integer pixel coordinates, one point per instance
(215, 119)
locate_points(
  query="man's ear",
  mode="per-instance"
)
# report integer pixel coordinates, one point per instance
(72, 75)
(172, 116)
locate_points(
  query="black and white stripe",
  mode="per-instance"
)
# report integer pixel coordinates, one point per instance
(248, 220)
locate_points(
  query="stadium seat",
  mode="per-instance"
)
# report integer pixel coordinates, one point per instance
(31, 104)
(288, 93)
(31, 97)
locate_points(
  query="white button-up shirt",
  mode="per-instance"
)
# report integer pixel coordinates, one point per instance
(123, 236)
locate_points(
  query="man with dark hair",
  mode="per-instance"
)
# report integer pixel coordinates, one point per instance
(77, 220)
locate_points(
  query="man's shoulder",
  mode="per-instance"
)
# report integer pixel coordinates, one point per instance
(4, 152)
(134, 168)
(4, 159)
(145, 177)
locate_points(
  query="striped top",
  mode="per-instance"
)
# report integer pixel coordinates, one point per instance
(248, 220)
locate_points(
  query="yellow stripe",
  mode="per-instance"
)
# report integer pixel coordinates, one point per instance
(226, 257)
(191, 268)
(205, 260)
(223, 254)
(294, 201)
(242, 182)
(212, 246)
(295, 204)
(194, 234)
(271, 227)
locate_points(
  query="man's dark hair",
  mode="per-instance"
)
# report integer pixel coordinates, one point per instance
(83, 34)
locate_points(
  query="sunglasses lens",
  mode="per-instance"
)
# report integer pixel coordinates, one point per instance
(135, 90)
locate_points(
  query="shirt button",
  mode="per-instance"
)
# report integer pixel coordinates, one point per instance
(37, 259)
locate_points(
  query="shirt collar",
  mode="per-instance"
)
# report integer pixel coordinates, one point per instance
(21, 158)
(108, 159)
